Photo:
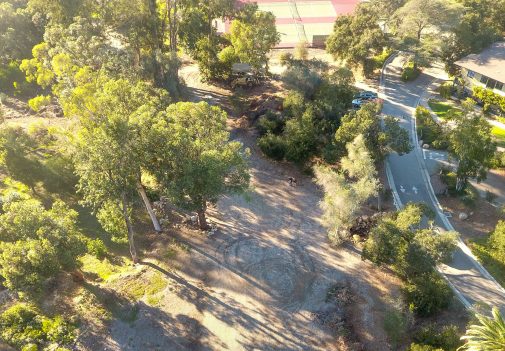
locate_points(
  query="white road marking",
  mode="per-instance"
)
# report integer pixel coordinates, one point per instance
(402, 189)
(415, 190)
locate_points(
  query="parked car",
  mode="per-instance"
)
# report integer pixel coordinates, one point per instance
(366, 95)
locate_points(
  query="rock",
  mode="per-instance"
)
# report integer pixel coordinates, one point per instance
(426, 146)
(463, 216)
(194, 219)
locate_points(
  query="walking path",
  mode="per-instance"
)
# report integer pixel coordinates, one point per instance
(410, 182)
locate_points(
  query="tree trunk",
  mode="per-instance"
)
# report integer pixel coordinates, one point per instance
(129, 226)
(149, 208)
(202, 219)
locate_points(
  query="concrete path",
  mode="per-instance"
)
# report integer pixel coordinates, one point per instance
(409, 179)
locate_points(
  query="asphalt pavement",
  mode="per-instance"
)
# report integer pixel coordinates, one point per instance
(410, 182)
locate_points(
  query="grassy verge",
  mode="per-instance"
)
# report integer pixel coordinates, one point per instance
(443, 110)
(489, 259)
(499, 135)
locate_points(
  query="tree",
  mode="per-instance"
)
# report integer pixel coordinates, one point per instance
(379, 140)
(110, 148)
(252, 40)
(346, 191)
(486, 335)
(356, 37)
(18, 34)
(419, 15)
(36, 244)
(207, 164)
(473, 148)
(478, 28)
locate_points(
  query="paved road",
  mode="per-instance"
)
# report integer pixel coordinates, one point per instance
(410, 182)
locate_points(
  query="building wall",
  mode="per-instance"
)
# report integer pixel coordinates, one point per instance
(477, 79)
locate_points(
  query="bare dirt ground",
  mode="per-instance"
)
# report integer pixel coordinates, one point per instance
(262, 281)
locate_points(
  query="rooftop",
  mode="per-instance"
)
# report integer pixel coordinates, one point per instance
(490, 62)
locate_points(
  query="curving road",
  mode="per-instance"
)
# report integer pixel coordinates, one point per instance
(410, 182)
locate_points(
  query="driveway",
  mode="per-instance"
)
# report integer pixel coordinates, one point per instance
(410, 181)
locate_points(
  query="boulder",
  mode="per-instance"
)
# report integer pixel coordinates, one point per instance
(426, 146)
(463, 216)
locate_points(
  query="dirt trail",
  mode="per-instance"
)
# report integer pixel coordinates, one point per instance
(261, 282)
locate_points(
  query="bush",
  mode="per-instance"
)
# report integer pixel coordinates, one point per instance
(286, 58)
(273, 146)
(445, 90)
(97, 248)
(301, 138)
(427, 294)
(395, 325)
(270, 122)
(446, 338)
(429, 130)
(410, 71)
(38, 102)
(497, 240)
(13, 81)
(22, 326)
(381, 58)
(470, 196)
(498, 160)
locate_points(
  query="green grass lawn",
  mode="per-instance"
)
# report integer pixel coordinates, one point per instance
(443, 110)
(489, 259)
(499, 135)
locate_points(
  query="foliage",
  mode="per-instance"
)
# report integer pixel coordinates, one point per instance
(410, 71)
(429, 130)
(356, 37)
(13, 81)
(497, 240)
(23, 326)
(487, 334)
(270, 122)
(419, 347)
(427, 294)
(477, 28)
(38, 102)
(253, 39)
(208, 164)
(489, 98)
(395, 325)
(35, 244)
(445, 89)
(472, 146)
(413, 254)
(379, 141)
(300, 137)
(346, 191)
(97, 248)
(417, 16)
(445, 338)
(273, 146)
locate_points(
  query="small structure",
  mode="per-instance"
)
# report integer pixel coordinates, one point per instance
(486, 69)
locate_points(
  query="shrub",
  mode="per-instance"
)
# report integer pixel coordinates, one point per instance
(13, 81)
(301, 51)
(445, 90)
(446, 338)
(410, 71)
(97, 248)
(270, 122)
(300, 135)
(286, 58)
(498, 160)
(381, 58)
(273, 146)
(395, 325)
(427, 294)
(470, 196)
(24, 327)
(38, 102)
(497, 240)
(429, 130)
